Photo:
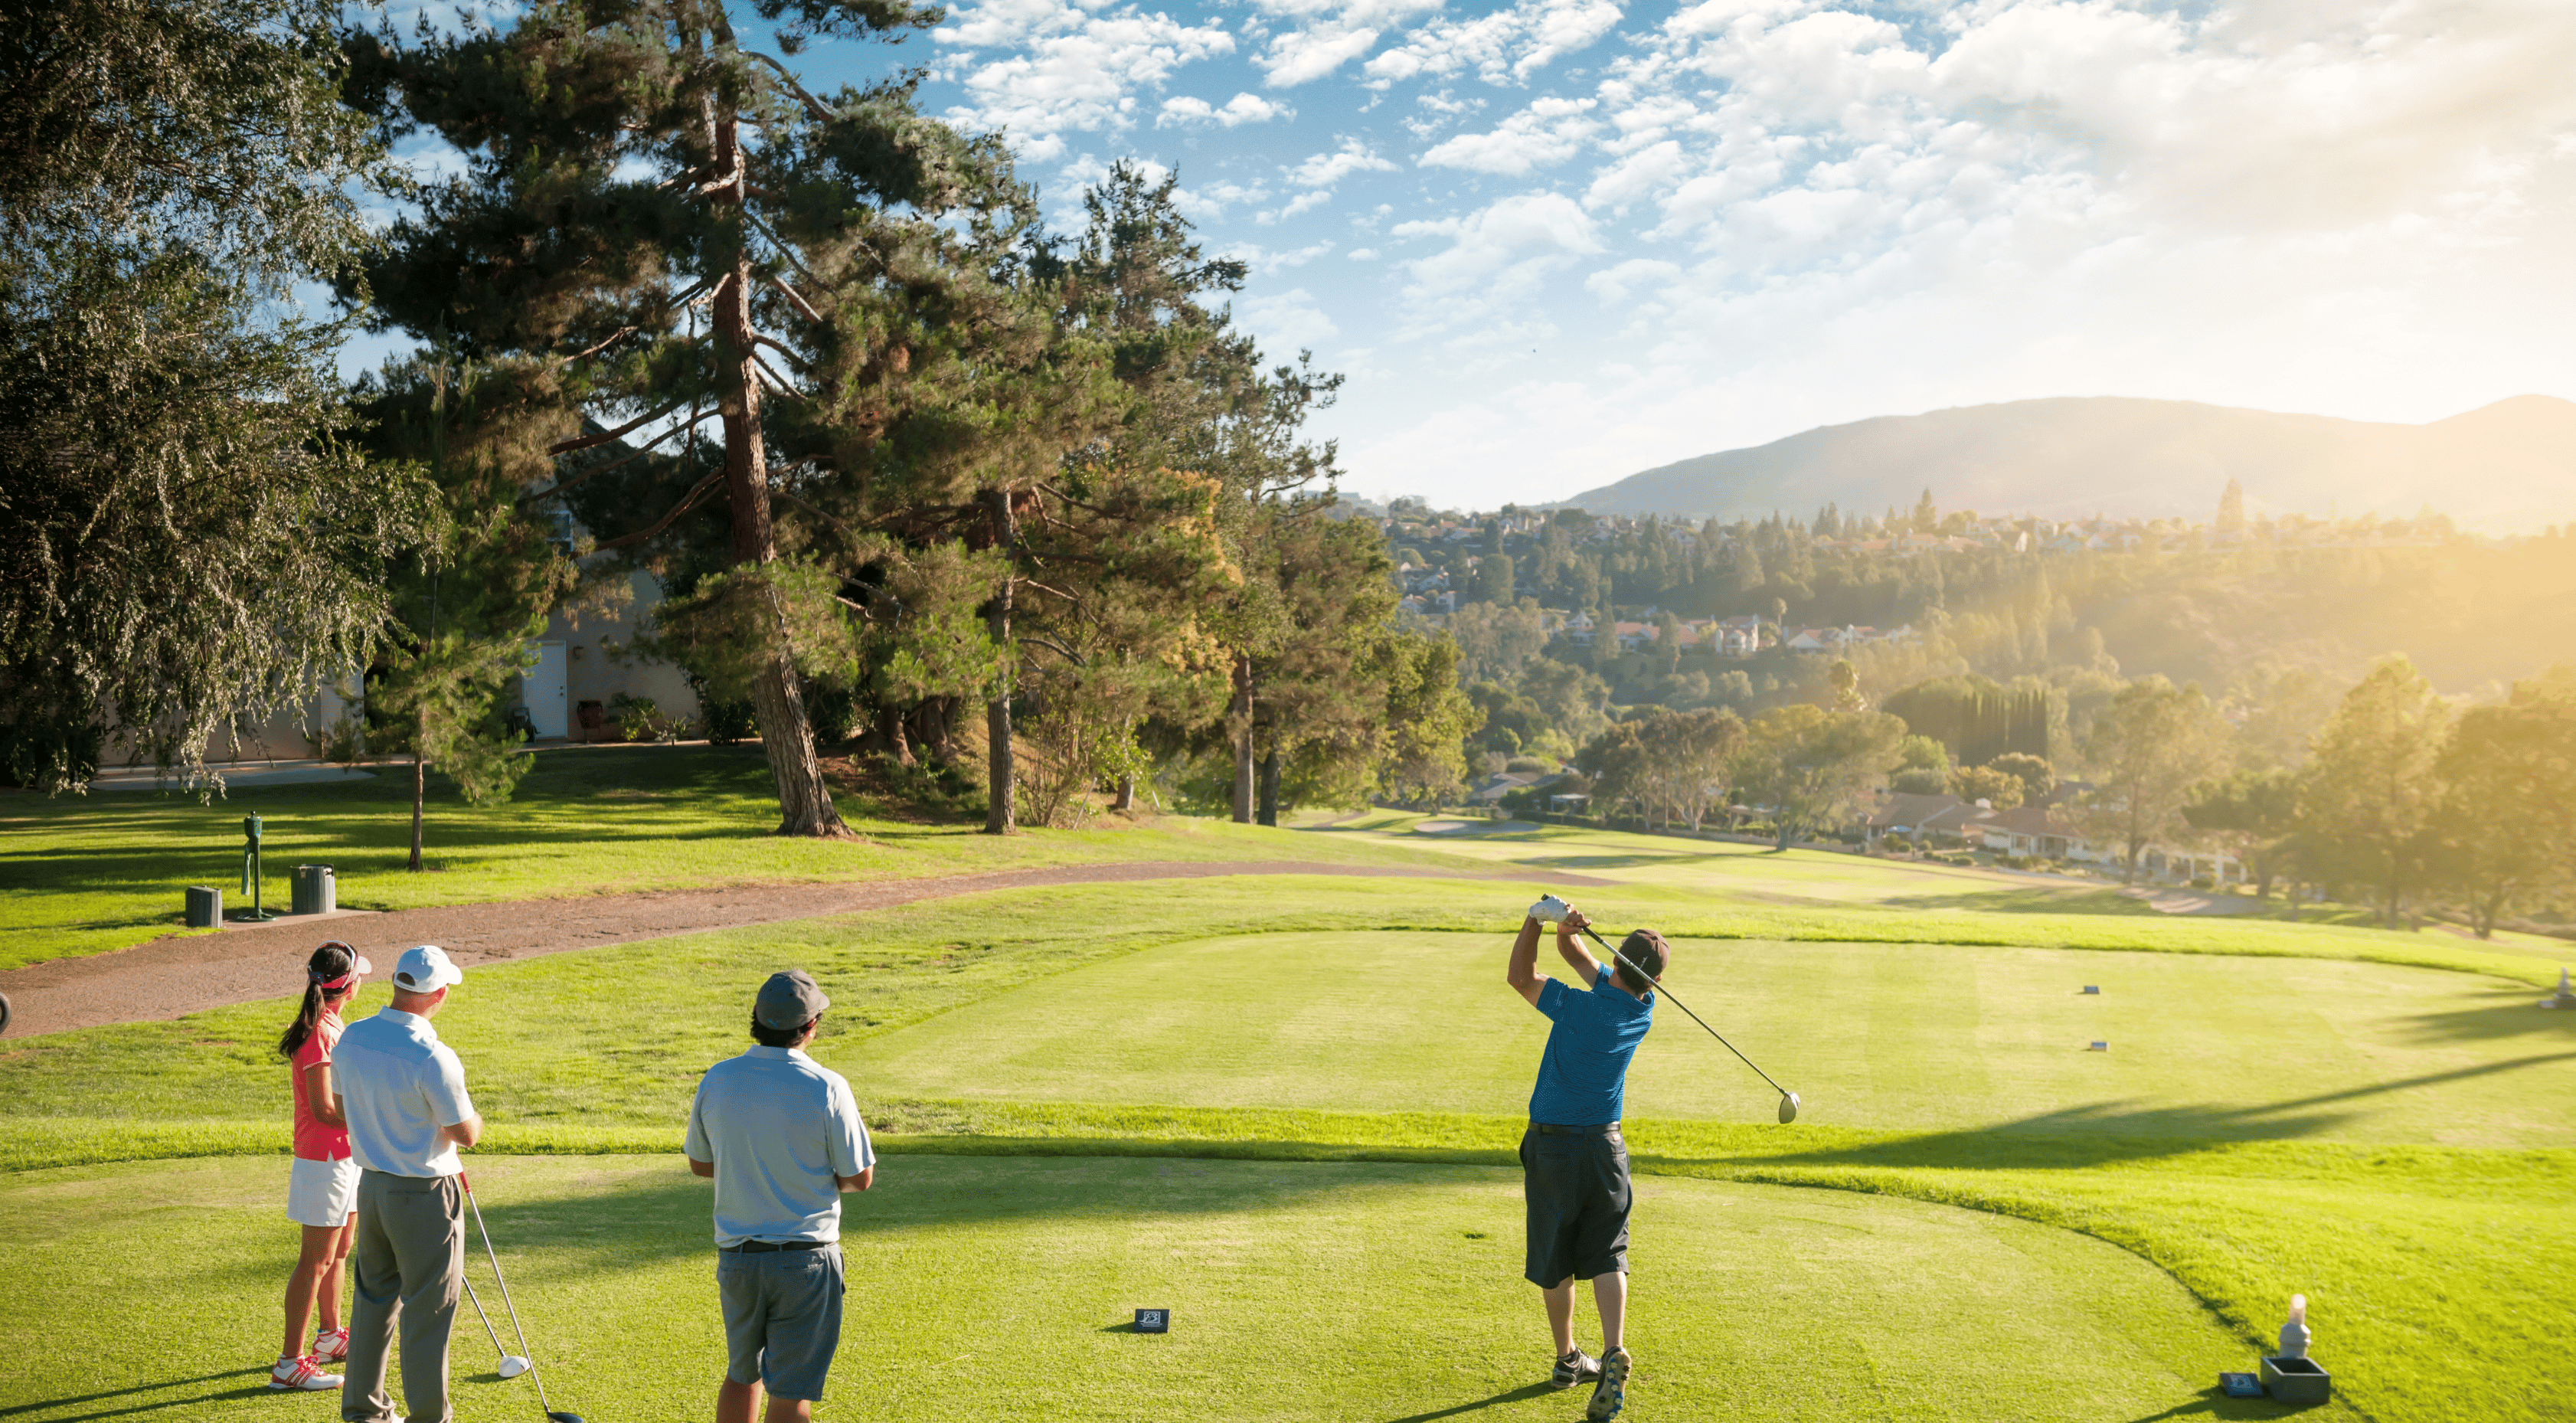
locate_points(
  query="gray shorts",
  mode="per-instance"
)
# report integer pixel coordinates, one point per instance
(782, 1318)
(1576, 1186)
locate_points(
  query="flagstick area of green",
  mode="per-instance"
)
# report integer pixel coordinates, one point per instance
(85, 874)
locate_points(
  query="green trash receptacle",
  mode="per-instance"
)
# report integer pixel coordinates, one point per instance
(316, 891)
(205, 907)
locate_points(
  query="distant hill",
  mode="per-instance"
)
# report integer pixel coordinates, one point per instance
(2507, 468)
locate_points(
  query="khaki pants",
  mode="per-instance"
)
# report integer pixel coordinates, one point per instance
(408, 1265)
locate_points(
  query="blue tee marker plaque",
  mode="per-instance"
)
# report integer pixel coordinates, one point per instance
(1153, 1321)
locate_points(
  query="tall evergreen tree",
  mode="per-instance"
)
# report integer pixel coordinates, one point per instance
(653, 209)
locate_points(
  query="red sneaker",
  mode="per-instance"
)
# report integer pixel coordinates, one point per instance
(331, 1346)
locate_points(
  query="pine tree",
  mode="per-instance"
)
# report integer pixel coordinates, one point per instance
(621, 231)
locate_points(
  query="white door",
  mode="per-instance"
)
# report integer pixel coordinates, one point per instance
(543, 689)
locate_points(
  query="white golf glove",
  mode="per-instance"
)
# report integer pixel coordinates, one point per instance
(1550, 910)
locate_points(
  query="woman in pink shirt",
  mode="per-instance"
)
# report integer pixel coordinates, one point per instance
(322, 1191)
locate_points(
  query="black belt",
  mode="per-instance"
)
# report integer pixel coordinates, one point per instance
(770, 1247)
(1551, 1129)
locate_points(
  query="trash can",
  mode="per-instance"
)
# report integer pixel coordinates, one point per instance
(316, 892)
(205, 907)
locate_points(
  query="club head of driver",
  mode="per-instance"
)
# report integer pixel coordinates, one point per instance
(512, 1366)
(561, 1417)
(1788, 1107)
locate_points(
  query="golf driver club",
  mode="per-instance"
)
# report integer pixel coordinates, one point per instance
(1552, 910)
(525, 1357)
(511, 1364)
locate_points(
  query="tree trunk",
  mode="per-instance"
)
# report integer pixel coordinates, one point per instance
(1000, 814)
(1126, 794)
(419, 792)
(1270, 786)
(1239, 725)
(786, 733)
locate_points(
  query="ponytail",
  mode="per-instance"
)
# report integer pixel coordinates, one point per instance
(333, 963)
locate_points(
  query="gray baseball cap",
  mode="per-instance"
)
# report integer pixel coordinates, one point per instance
(790, 999)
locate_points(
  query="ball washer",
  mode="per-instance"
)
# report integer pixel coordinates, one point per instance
(1552, 910)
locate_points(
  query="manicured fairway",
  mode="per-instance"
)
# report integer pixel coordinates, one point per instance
(1906, 1036)
(995, 1288)
(1754, 873)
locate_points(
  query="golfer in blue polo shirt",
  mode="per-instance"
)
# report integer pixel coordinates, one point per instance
(1574, 1165)
(781, 1136)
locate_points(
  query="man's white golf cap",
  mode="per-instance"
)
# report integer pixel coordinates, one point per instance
(425, 968)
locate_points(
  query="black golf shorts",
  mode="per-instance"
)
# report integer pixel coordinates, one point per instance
(1576, 1184)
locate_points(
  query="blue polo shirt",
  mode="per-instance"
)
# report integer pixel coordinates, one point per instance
(1585, 1069)
(779, 1126)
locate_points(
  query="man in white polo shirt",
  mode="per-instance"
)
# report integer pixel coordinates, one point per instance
(780, 1134)
(403, 1093)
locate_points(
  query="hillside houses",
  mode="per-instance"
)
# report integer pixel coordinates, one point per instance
(1822, 640)
(2030, 832)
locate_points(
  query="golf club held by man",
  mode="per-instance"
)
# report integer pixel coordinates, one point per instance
(1574, 1164)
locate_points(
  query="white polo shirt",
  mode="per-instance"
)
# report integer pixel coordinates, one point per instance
(779, 1126)
(398, 1085)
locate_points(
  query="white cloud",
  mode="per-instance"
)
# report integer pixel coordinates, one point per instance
(1322, 36)
(1507, 46)
(1323, 170)
(1262, 259)
(1543, 135)
(1616, 283)
(1069, 69)
(1494, 262)
(1289, 321)
(1241, 109)
(1208, 204)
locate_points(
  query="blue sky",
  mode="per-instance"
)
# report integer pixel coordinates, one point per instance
(1559, 241)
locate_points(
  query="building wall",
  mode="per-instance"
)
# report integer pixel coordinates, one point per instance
(592, 674)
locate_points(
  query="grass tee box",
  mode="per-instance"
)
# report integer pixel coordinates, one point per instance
(1005, 1289)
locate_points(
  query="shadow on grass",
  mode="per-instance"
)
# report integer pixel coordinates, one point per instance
(2514, 1013)
(1525, 1391)
(2106, 1133)
(614, 1227)
(154, 1387)
(2004, 899)
(2211, 1403)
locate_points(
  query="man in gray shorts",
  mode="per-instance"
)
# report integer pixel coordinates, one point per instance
(780, 1135)
(1574, 1165)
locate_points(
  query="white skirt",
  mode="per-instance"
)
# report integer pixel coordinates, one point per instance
(322, 1192)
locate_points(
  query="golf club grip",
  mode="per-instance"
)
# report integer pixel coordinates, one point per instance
(1678, 1003)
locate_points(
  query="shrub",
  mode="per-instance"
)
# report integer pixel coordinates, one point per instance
(634, 716)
